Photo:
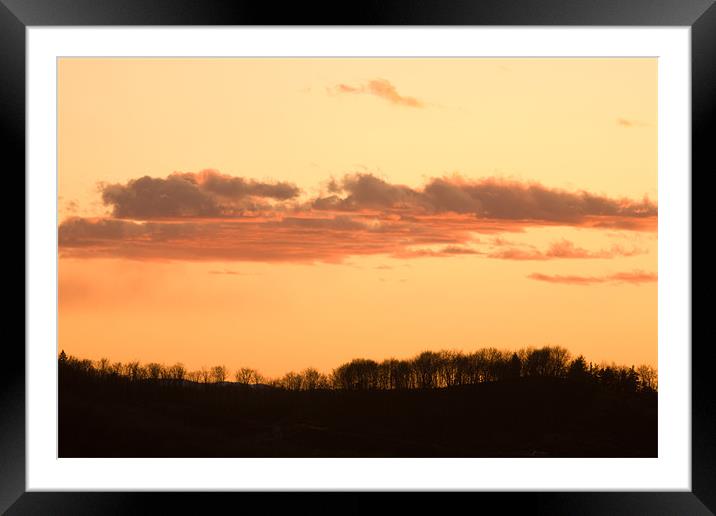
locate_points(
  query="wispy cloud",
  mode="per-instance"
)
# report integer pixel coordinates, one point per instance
(383, 89)
(327, 239)
(634, 277)
(450, 250)
(624, 122)
(563, 249)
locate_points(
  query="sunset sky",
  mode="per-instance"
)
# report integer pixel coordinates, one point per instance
(286, 213)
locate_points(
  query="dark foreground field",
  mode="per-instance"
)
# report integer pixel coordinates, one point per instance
(541, 417)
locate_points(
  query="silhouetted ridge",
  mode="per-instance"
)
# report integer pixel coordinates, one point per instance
(425, 371)
(531, 403)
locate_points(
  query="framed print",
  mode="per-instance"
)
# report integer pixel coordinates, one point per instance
(434, 249)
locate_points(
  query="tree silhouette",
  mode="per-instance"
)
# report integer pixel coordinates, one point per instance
(426, 366)
(647, 377)
(218, 374)
(154, 371)
(246, 375)
(291, 381)
(177, 372)
(427, 370)
(578, 369)
(359, 374)
(514, 367)
(311, 379)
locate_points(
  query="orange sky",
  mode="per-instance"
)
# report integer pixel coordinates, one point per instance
(286, 213)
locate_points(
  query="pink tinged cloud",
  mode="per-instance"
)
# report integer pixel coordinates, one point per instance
(291, 239)
(634, 277)
(623, 122)
(211, 216)
(383, 89)
(563, 249)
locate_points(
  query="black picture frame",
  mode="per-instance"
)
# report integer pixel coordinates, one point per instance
(17, 15)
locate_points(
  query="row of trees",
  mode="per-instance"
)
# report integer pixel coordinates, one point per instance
(424, 371)
(451, 368)
(154, 371)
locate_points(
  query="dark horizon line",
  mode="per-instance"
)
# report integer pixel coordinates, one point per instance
(443, 368)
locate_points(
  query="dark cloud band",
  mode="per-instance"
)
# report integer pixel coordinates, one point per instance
(488, 198)
(211, 216)
(204, 194)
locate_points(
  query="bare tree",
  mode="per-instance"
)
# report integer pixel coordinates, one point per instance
(291, 381)
(388, 374)
(546, 361)
(194, 376)
(310, 379)
(154, 371)
(177, 372)
(117, 369)
(133, 371)
(218, 374)
(648, 377)
(246, 375)
(447, 368)
(359, 374)
(425, 366)
(103, 366)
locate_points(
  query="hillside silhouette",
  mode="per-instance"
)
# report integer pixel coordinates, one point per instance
(490, 403)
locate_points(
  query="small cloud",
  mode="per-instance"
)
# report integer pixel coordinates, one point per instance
(634, 277)
(450, 250)
(518, 254)
(624, 122)
(498, 241)
(383, 89)
(563, 249)
(386, 280)
(566, 249)
(72, 207)
(454, 249)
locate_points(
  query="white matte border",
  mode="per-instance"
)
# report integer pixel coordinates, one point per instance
(670, 471)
